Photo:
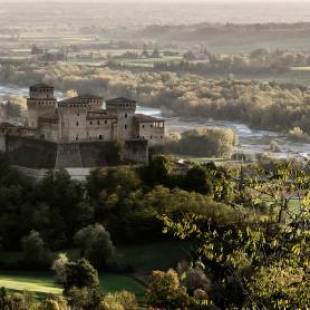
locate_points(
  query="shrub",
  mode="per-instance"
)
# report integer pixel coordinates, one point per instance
(165, 290)
(80, 274)
(119, 301)
(206, 142)
(59, 266)
(297, 134)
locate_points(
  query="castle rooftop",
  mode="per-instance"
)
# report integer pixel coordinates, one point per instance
(82, 99)
(142, 118)
(120, 100)
(40, 85)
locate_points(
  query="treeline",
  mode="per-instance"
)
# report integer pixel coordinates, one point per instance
(230, 35)
(258, 62)
(124, 200)
(267, 105)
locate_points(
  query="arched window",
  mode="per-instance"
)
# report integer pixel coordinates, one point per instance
(77, 124)
(126, 115)
(125, 126)
(100, 137)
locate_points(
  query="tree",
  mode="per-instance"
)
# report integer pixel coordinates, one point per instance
(261, 260)
(158, 170)
(80, 274)
(207, 142)
(196, 180)
(164, 290)
(67, 206)
(95, 244)
(34, 251)
(122, 180)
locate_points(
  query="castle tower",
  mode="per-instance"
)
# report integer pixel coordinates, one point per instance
(124, 109)
(41, 102)
(72, 115)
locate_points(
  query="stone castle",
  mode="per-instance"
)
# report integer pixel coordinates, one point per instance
(79, 132)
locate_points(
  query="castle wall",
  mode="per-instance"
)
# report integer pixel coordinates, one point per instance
(49, 131)
(125, 126)
(136, 151)
(125, 111)
(73, 123)
(68, 155)
(101, 129)
(149, 131)
(37, 108)
(98, 154)
(30, 152)
(2, 143)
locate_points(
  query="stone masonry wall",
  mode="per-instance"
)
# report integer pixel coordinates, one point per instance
(39, 154)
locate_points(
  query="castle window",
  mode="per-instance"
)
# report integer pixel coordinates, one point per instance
(125, 115)
(77, 124)
(105, 122)
(90, 123)
(100, 137)
(77, 138)
(125, 126)
(142, 126)
(98, 122)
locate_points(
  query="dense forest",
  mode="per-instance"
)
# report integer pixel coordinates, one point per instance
(248, 227)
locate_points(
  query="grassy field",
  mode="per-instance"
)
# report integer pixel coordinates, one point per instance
(34, 282)
(142, 258)
(44, 283)
(159, 255)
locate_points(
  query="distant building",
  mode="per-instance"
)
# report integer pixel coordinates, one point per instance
(78, 125)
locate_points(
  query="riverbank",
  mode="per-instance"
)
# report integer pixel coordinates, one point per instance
(253, 141)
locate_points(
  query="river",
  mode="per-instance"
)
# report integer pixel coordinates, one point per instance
(250, 140)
